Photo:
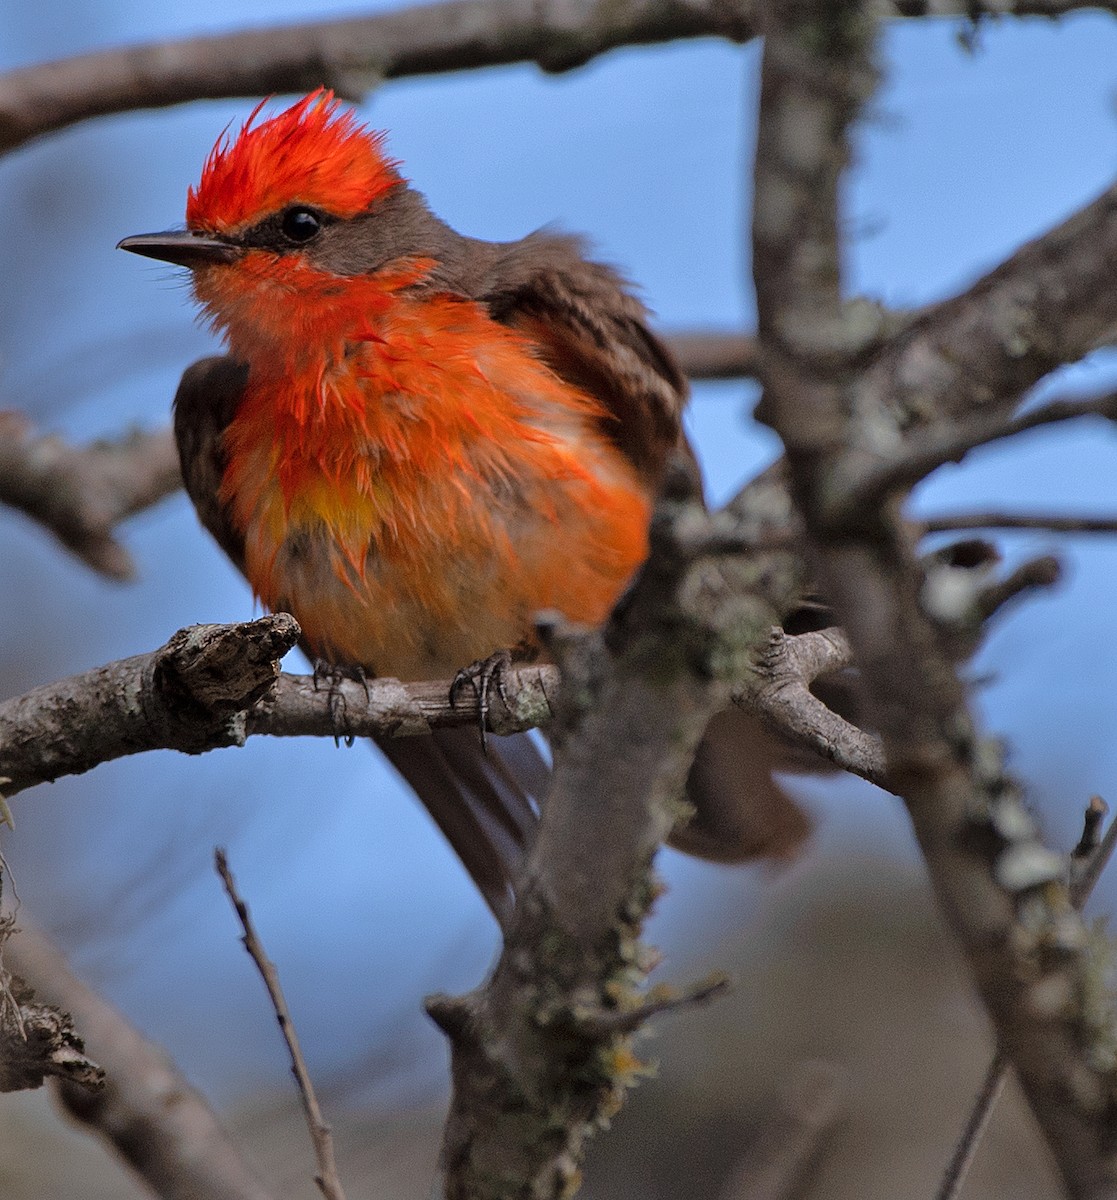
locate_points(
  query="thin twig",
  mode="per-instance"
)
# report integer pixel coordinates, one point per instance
(790, 1136)
(1088, 861)
(1001, 520)
(966, 1147)
(327, 1179)
(927, 450)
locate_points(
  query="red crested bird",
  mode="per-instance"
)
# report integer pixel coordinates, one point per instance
(417, 440)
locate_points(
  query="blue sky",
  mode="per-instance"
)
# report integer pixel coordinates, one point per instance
(964, 157)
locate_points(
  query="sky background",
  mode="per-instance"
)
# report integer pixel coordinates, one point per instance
(964, 156)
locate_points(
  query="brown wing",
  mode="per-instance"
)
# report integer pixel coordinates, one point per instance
(593, 332)
(481, 803)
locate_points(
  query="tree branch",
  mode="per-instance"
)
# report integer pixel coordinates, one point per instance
(999, 886)
(1050, 523)
(157, 1123)
(976, 354)
(780, 692)
(352, 55)
(37, 1040)
(327, 1179)
(81, 494)
(190, 695)
(537, 1060)
(925, 450)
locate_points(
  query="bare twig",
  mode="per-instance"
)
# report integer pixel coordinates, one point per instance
(155, 1121)
(788, 1141)
(996, 1076)
(1002, 520)
(80, 494)
(1087, 865)
(925, 451)
(780, 692)
(327, 1179)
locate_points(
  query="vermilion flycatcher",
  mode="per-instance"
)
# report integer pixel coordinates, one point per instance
(418, 440)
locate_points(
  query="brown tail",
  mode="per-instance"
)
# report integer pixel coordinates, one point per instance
(486, 804)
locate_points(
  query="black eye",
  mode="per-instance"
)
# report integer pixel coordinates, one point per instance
(301, 224)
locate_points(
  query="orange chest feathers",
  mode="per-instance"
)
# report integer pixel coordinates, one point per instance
(415, 495)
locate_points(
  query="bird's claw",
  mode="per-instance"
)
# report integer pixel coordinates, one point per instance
(482, 676)
(333, 675)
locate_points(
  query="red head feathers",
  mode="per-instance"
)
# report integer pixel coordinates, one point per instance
(313, 153)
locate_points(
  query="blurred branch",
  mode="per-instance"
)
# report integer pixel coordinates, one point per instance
(37, 1040)
(1088, 860)
(779, 690)
(790, 1136)
(835, 395)
(1001, 520)
(157, 1123)
(539, 1057)
(708, 355)
(351, 55)
(974, 9)
(926, 450)
(975, 355)
(327, 1179)
(80, 494)
(355, 54)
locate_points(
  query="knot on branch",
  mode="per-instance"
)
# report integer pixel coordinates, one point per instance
(37, 1041)
(211, 675)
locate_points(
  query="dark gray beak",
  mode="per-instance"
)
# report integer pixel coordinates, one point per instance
(181, 247)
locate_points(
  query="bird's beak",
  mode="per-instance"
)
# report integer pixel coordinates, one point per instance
(182, 247)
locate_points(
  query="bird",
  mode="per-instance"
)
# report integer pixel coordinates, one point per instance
(416, 441)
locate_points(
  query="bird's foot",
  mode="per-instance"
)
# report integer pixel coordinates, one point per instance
(482, 676)
(332, 676)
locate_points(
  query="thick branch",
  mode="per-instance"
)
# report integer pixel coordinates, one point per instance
(979, 352)
(355, 54)
(352, 55)
(158, 1124)
(37, 1040)
(80, 494)
(999, 886)
(926, 450)
(538, 1058)
(190, 695)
